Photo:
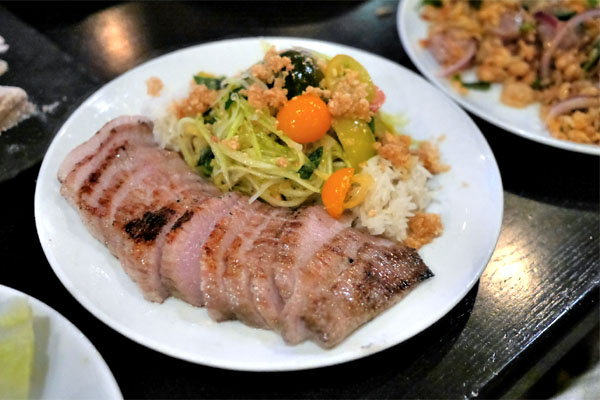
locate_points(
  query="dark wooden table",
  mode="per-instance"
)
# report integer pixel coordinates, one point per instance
(536, 299)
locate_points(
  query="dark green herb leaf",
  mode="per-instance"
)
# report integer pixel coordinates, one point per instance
(526, 27)
(372, 124)
(593, 57)
(537, 84)
(211, 83)
(476, 4)
(563, 15)
(230, 100)
(208, 117)
(435, 3)
(204, 162)
(479, 85)
(314, 159)
(593, 3)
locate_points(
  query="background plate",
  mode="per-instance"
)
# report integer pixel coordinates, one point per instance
(524, 122)
(469, 199)
(66, 365)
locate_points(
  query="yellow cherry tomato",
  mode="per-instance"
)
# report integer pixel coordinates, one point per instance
(356, 139)
(334, 191)
(304, 118)
(336, 69)
(361, 185)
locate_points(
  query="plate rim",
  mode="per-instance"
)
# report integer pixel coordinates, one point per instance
(52, 313)
(404, 12)
(244, 366)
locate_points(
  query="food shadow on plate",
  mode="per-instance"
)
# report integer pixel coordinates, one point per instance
(41, 361)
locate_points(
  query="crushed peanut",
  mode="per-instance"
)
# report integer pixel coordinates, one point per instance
(282, 162)
(261, 97)
(323, 93)
(429, 154)
(349, 97)
(423, 228)
(154, 86)
(199, 100)
(396, 149)
(272, 64)
(232, 143)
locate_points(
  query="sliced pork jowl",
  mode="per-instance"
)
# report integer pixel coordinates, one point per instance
(181, 260)
(301, 273)
(346, 283)
(240, 222)
(123, 190)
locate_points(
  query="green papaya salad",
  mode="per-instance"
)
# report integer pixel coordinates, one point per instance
(298, 127)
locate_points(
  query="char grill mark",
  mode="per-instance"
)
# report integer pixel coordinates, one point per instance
(263, 291)
(215, 251)
(94, 178)
(187, 215)
(147, 228)
(236, 275)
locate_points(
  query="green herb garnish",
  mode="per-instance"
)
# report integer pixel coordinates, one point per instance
(563, 15)
(537, 84)
(314, 159)
(435, 3)
(230, 100)
(204, 162)
(211, 83)
(526, 27)
(593, 57)
(593, 3)
(476, 4)
(372, 124)
(478, 85)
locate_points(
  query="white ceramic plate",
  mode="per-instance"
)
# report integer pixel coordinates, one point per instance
(524, 122)
(66, 365)
(469, 199)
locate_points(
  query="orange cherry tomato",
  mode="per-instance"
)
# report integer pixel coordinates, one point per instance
(334, 191)
(304, 118)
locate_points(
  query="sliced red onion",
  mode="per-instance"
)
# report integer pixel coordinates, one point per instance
(546, 18)
(463, 62)
(571, 104)
(547, 25)
(509, 26)
(561, 33)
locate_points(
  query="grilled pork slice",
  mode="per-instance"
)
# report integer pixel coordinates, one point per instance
(250, 259)
(87, 149)
(181, 259)
(308, 230)
(275, 255)
(236, 224)
(129, 193)
(347, 283)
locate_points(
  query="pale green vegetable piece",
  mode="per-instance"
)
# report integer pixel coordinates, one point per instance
(16, 348)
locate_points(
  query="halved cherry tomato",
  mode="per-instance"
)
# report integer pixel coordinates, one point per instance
(304, 118)
(336, 69)
(356, 138)
(360, 186)
(335, 190)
